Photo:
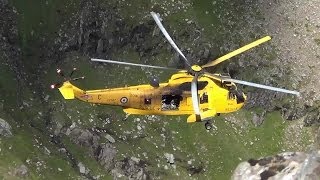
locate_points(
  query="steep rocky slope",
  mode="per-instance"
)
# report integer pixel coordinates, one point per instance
(73, 139)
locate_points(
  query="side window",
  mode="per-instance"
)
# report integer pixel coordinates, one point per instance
(204, 98)
(231, 96)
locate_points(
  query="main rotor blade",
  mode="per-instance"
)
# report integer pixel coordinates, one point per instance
(166, 34)
(133, 64)
(261, 86)
(194, 95)
(238, 51)
(224, 78)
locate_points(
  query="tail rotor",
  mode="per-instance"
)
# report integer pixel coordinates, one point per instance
(68, 78)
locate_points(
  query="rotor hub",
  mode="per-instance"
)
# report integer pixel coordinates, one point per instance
(196, 68)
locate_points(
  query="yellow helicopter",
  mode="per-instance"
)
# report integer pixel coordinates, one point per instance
(193, 91)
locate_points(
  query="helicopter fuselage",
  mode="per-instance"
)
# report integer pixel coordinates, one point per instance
(171, 98)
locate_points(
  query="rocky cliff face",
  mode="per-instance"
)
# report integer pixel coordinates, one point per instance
(294, 26)
(289, 165)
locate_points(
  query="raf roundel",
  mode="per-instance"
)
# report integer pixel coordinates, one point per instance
(124, 100)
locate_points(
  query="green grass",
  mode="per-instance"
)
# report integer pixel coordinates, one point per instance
(27, 145)
(219, 152)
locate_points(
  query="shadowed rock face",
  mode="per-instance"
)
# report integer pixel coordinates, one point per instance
(288, 165)
(133, 168)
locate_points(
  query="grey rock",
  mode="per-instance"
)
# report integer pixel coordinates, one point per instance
(46, 98)
(62, 150)
(84, 138)
(100, 46)
(82, 168)
(5, 128)
(257, 120)
(289, 165)
(169, 157)
(312, 118)
(68, 131)
(140, 175)
(3, 2)
(73, 125)
(110, 138)
(262, 99)
(21, 171)
(131, 168)
(136, 160)
(58, 129)
(110, 41)
(139, 127)
(24, 103)
(293, 112)
(206, 53)
(116, 173)
(106, 156)
(47, 151)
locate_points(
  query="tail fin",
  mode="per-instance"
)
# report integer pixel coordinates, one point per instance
(68, 90)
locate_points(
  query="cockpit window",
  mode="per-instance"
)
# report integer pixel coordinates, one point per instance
(231, 96)
(187, 85)
(204, 98)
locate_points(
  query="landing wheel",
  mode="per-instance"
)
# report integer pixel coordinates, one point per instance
(208, 125)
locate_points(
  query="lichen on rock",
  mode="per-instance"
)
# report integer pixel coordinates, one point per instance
(288, 165)
(5, 128)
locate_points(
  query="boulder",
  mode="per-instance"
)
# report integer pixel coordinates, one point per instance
(110, 138)
(288, 165)
(206, 53)
(257, 119)
(82, 168)
(106, 155)
(3, 2)
(133, 168)
(312, 118)
(100, 47)
(84, 138)
(169, 157)
(5, 128)
(21, 171)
